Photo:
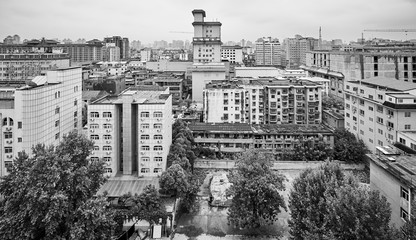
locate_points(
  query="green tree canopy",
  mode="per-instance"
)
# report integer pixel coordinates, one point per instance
(255, 190)
(309, 150)
(347, 147)
(48, 195)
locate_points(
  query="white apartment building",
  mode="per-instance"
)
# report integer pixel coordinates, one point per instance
(41, 112)
(17, 68)
(234, 54)
(295, 50)
(263, 101)
(268, 52)
(146, 54)
(111, 52)
(132, 131)
(376, 109)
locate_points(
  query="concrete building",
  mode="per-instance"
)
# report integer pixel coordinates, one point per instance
(174, 84)
(15, 69)
(122, 44)
(333, 118)
(322, 81)
(376, 109)
(263, 101)
(12, 39)
(238, 137)
(169, 66)
(41, 112)
(203, 74)
(132, 131)
(388, 61)
(295, 50)
(256, 72)
(111, 52)
(394, 177)
(146, 54)
(268, 52)
(407, 138)
(234, 54)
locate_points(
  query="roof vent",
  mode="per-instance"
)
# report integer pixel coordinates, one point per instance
(391, 159)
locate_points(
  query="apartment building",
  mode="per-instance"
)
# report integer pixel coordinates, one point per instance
(268, 52)
(408, 139)
(390, 61)
(394, 177)
(263, 101)
(376, 109)
(132, 131)
(15, 69)
(295, 50)
(234, 54)
(175, 85)
(40, 112)
(122, 44)
(238, 137)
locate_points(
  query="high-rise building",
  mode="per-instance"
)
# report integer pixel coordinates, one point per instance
(234, 54)
(268, 52)
(132, 131)
(122, 43)
(263, 101)
(207, 54)
(295, 50)
(376, 109)
(40, 112)
(111, 53)
(15, 69)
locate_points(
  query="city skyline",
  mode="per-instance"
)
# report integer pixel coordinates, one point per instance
(161, 19)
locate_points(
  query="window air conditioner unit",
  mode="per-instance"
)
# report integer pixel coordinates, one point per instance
(142, 153)
(389, 116)
(160, 152)
(92, 119)
(159, 119)
(141, 130)
(108, 119)
(159, 164)
(108, 163)
(8, 129)
(141, 141)
(159, 141)
(108, 141)
(92, 130)
(389, 128)
(142, 119)
(108, 130)
(142, 164)
(158, 130)
(108, 153)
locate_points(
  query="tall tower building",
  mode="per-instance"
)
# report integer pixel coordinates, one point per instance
(207, 54)
(268, 52)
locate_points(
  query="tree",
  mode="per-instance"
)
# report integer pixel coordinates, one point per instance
(327, 204)
(255, 190)
(309, 150)
(151, 208)
(47, 195)
(174, 179)
(347, 147)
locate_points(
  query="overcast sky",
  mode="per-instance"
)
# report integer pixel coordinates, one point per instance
(152, 20)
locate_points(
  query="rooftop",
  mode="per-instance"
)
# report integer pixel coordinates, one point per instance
(402, 95)
(118, 186)
(221, 127)
(259, 129)
(138, 95)
(391, 83)
(335, 113)
(409, 134)
(402, 167)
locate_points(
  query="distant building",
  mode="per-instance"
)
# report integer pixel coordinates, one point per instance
(257, 72)
(40, 112)
(12, 39)
(146, 54)
(234, 54)
(295, 50)
(376, 109)
(268, 52)
(263, 101)
(132, 131)
(169, 66)
(394, 177)
(174, 84)
(111, 52)
(239, 137)
(122, 43)
(15, 69)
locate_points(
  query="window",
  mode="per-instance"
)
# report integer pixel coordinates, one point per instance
(107, 159)
(404, 193)
(157, 125)
(145, 125)
(144, 114)
(361, 112)
(144, 137)
(57, 109)
(107, 148)
(380, 131)
(145, 148)
(157, 148)
(75, 102)
(75, 114)
(237, 116)
(380, 143)
(145, 159)
(108, 170)
(380, 109)
(380, 120)
(57, 136)
(56, 123)
(157, 114)
(94, 126)
(8, 150)
(8, 135)
(407, 126)
(403, 141)
(19, 139)
(96, 148)
(370, 108)
(362, 91)
(370, 129)
(404, 215)
(107, 125)
(225, 108)
(407, 114)
(157, 170)
(158, 159)
(157, 137)
(144, 170)
(361, 132)
(107, 137)
(390, 124)
(390, 113)
(94, 159)
(94, 137)
(371, 119)
(107, 114)
(19, 125)
(380, 97)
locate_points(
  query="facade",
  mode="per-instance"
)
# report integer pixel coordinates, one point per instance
(41, 112)
(111, 52)
(238, 137)
(79, 53)
(175, 85)
(168, 66)
(234, 54)
(395, 62)
(268, 52)
(122, 44)
(263, 101)
(15, 69)
(256, 72)
(376, 109)
(394, 177)
(132, 131)
(295, 50)
(207, 39)
(407, 138)
(146, 54)
(203, 74)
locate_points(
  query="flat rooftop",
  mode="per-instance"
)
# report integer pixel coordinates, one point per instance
(409, 134)
(259, 129)
(390, 83)
(138, 96)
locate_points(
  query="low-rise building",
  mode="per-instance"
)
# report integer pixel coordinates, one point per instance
(234, 54)
(333, 118)
(132, 131)
(238, 137)
(175, 85)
